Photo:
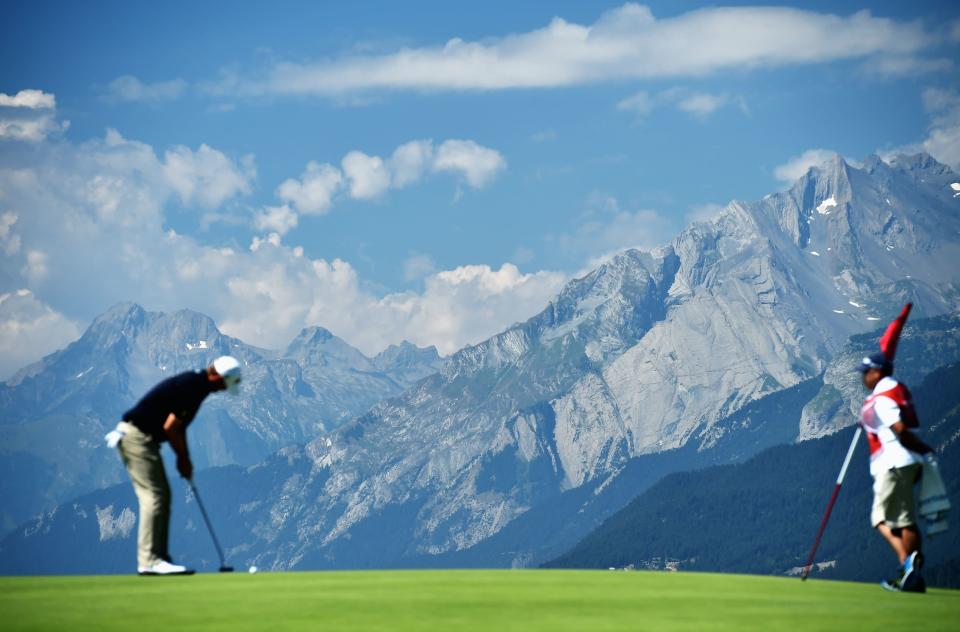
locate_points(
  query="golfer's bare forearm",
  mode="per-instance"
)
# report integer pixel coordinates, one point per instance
(176, 433)
(914, 444)
(909, 440)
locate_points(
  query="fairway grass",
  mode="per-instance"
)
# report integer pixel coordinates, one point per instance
(500, 600)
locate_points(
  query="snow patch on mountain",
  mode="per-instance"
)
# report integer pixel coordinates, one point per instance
(119, 526)
(824, 207)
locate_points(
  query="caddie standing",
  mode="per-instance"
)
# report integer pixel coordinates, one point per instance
(163, 415)
(888, 417)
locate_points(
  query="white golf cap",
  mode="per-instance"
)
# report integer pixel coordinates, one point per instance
(228, 368)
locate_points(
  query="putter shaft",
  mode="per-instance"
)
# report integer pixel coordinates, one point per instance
(206, 519)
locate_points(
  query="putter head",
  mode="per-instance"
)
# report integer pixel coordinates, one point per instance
(226, 569)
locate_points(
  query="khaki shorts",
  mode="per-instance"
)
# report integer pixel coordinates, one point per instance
(893, 501)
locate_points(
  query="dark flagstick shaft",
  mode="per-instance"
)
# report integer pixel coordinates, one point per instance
(207, 520)
(833, 499)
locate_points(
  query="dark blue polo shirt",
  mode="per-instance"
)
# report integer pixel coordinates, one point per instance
(181, 395)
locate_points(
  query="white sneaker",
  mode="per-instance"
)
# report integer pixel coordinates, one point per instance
(164, 568)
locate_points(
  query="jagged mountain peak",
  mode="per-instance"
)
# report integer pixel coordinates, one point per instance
(118, 317)
(404, 351)
(318, 346)
(313, 335)
(407, 363)
(130, 318)
(921, 161)
(120, 311)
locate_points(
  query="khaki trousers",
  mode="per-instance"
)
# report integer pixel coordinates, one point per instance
(141, 455)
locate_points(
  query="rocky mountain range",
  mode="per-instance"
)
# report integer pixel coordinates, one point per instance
(637, 369)
(80, 392)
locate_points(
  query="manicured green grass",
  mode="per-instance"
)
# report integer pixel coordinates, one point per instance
(526, 600)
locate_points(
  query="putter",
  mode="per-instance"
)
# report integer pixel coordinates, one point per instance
(223, 565)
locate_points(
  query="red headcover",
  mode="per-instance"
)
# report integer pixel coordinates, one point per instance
(888, 343)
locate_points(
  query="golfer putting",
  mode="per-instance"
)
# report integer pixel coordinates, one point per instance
(163, 415)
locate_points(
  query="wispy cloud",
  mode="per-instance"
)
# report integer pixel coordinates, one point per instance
(418, 266)
(943, 139)
(704, 212)
(606, 228)
(908, 65)
(129, 89)
(797, 166)
(626, 43)
(641, 103)
(702, 104)
(544, 136)
(698, 104)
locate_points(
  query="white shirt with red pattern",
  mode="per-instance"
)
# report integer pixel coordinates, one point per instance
(879, 413)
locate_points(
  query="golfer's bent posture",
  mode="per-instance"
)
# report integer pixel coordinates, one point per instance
(163, 415)
(895, 463)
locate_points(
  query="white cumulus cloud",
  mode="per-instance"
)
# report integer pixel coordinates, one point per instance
(29, 330)
(76, 214)
(206, 176)
(29, 116)
(476, 164)
(313, 192)
(276, 219)
(410, 161)
(368, 176)
(33, 99)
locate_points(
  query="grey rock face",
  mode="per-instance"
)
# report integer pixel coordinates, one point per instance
(642, 355)
(653, 349)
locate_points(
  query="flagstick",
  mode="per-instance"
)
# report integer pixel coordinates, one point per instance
(833, 499)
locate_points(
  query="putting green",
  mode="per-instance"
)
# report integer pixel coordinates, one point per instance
(464, 600)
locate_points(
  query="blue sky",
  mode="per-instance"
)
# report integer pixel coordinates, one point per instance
(426, 171)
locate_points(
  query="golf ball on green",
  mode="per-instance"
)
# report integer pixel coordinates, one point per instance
(253, 569)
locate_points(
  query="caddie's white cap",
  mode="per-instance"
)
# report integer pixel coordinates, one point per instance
(228, 368)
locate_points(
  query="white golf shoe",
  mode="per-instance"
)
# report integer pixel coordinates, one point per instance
(164, 568)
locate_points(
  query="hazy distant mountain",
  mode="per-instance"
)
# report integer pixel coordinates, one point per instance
(407, 363)
(79, 393)
(637, 369)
